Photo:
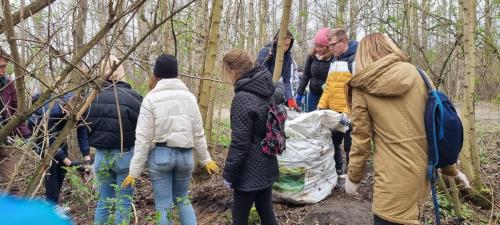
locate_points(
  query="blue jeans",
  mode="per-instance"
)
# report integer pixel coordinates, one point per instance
(312, 102)
(111, 167)
(170, 171)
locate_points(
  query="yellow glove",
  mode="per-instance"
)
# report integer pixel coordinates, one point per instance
(212, 167)
(129, 181)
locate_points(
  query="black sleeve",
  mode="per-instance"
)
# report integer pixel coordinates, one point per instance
(242, 120)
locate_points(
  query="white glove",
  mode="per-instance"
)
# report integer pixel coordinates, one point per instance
(461, 176)
(349, 186)
(227, 184)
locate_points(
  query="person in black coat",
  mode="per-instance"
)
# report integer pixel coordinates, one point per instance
(112, 133)
(248, 171)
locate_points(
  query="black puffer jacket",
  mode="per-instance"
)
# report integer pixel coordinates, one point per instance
(247, 168)
(315, 73)
(103, 116)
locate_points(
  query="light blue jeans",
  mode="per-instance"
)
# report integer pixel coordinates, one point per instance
(170, 171)
(111, 167)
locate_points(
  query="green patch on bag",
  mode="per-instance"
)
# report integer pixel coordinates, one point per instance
(290, 180)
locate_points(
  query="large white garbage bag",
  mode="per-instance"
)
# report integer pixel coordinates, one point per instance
(307, 167)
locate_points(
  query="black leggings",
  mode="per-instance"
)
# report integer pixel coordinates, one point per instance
(338, 138)
(379, 221)
(243, 201)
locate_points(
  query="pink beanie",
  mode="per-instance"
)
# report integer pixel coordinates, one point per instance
(321, 37)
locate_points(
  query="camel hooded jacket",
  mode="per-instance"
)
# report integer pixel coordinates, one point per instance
(388, 105)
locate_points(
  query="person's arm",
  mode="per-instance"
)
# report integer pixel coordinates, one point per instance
(304, 80)
(263, 57)
(286, 76)
(144, 135)
(82, 133)
(242, 120)
(200, 141)
(22, 129)
(361, 137)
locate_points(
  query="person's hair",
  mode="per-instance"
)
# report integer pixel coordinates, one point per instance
(152, 81)
(312, 52)
(238, 60)
(339, 34)
(374, 47)
(4, 54)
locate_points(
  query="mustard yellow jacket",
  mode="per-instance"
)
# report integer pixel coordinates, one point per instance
(388, 104)
(333, 96)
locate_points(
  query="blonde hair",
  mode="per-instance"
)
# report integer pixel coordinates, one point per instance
(374, 47)
(238, 60)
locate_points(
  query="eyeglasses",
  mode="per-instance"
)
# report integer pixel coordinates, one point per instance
(331, 46)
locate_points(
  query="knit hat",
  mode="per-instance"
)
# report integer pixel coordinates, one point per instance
(321, 37)
(166, 66)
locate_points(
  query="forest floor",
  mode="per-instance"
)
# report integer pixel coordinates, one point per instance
(212, 202)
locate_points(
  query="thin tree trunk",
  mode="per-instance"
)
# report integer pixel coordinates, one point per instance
(468, 119)
(263, 21)
(168, 39)
(285, 19)
(251, 28)
(241, 29)
(340, 19)
(206, 86)
(353, 21)
(11, 39)
(28, 11)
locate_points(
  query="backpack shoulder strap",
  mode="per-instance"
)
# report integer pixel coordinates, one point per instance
(426, 80)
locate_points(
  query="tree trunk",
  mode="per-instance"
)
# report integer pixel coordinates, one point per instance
(11, 39)
(467, 111)
(263, 21)
(285, 19)
(302, 31)
(206, 86)
(241, 30)
(168, 39)
(408, 28)
(353, 20)
(28, 11)
(339, 20)
(251, 28)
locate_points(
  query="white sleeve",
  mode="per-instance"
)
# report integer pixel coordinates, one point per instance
(144, 136)
(200, 142)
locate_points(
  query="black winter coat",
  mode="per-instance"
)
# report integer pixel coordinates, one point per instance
(103, 116)
(246, 167)
(315, 73)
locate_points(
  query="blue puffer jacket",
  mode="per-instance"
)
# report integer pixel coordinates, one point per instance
(267, 57)
(56, 122)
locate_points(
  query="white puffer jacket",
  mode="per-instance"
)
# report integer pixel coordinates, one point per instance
(169, 113)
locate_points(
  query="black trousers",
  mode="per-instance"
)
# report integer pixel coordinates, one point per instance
(338, 138)
(379, 221)
(243, 201)
(54, 181)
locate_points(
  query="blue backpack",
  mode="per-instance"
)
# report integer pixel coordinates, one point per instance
(445, 135)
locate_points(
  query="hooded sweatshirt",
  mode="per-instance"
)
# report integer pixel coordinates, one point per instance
(267, 58)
